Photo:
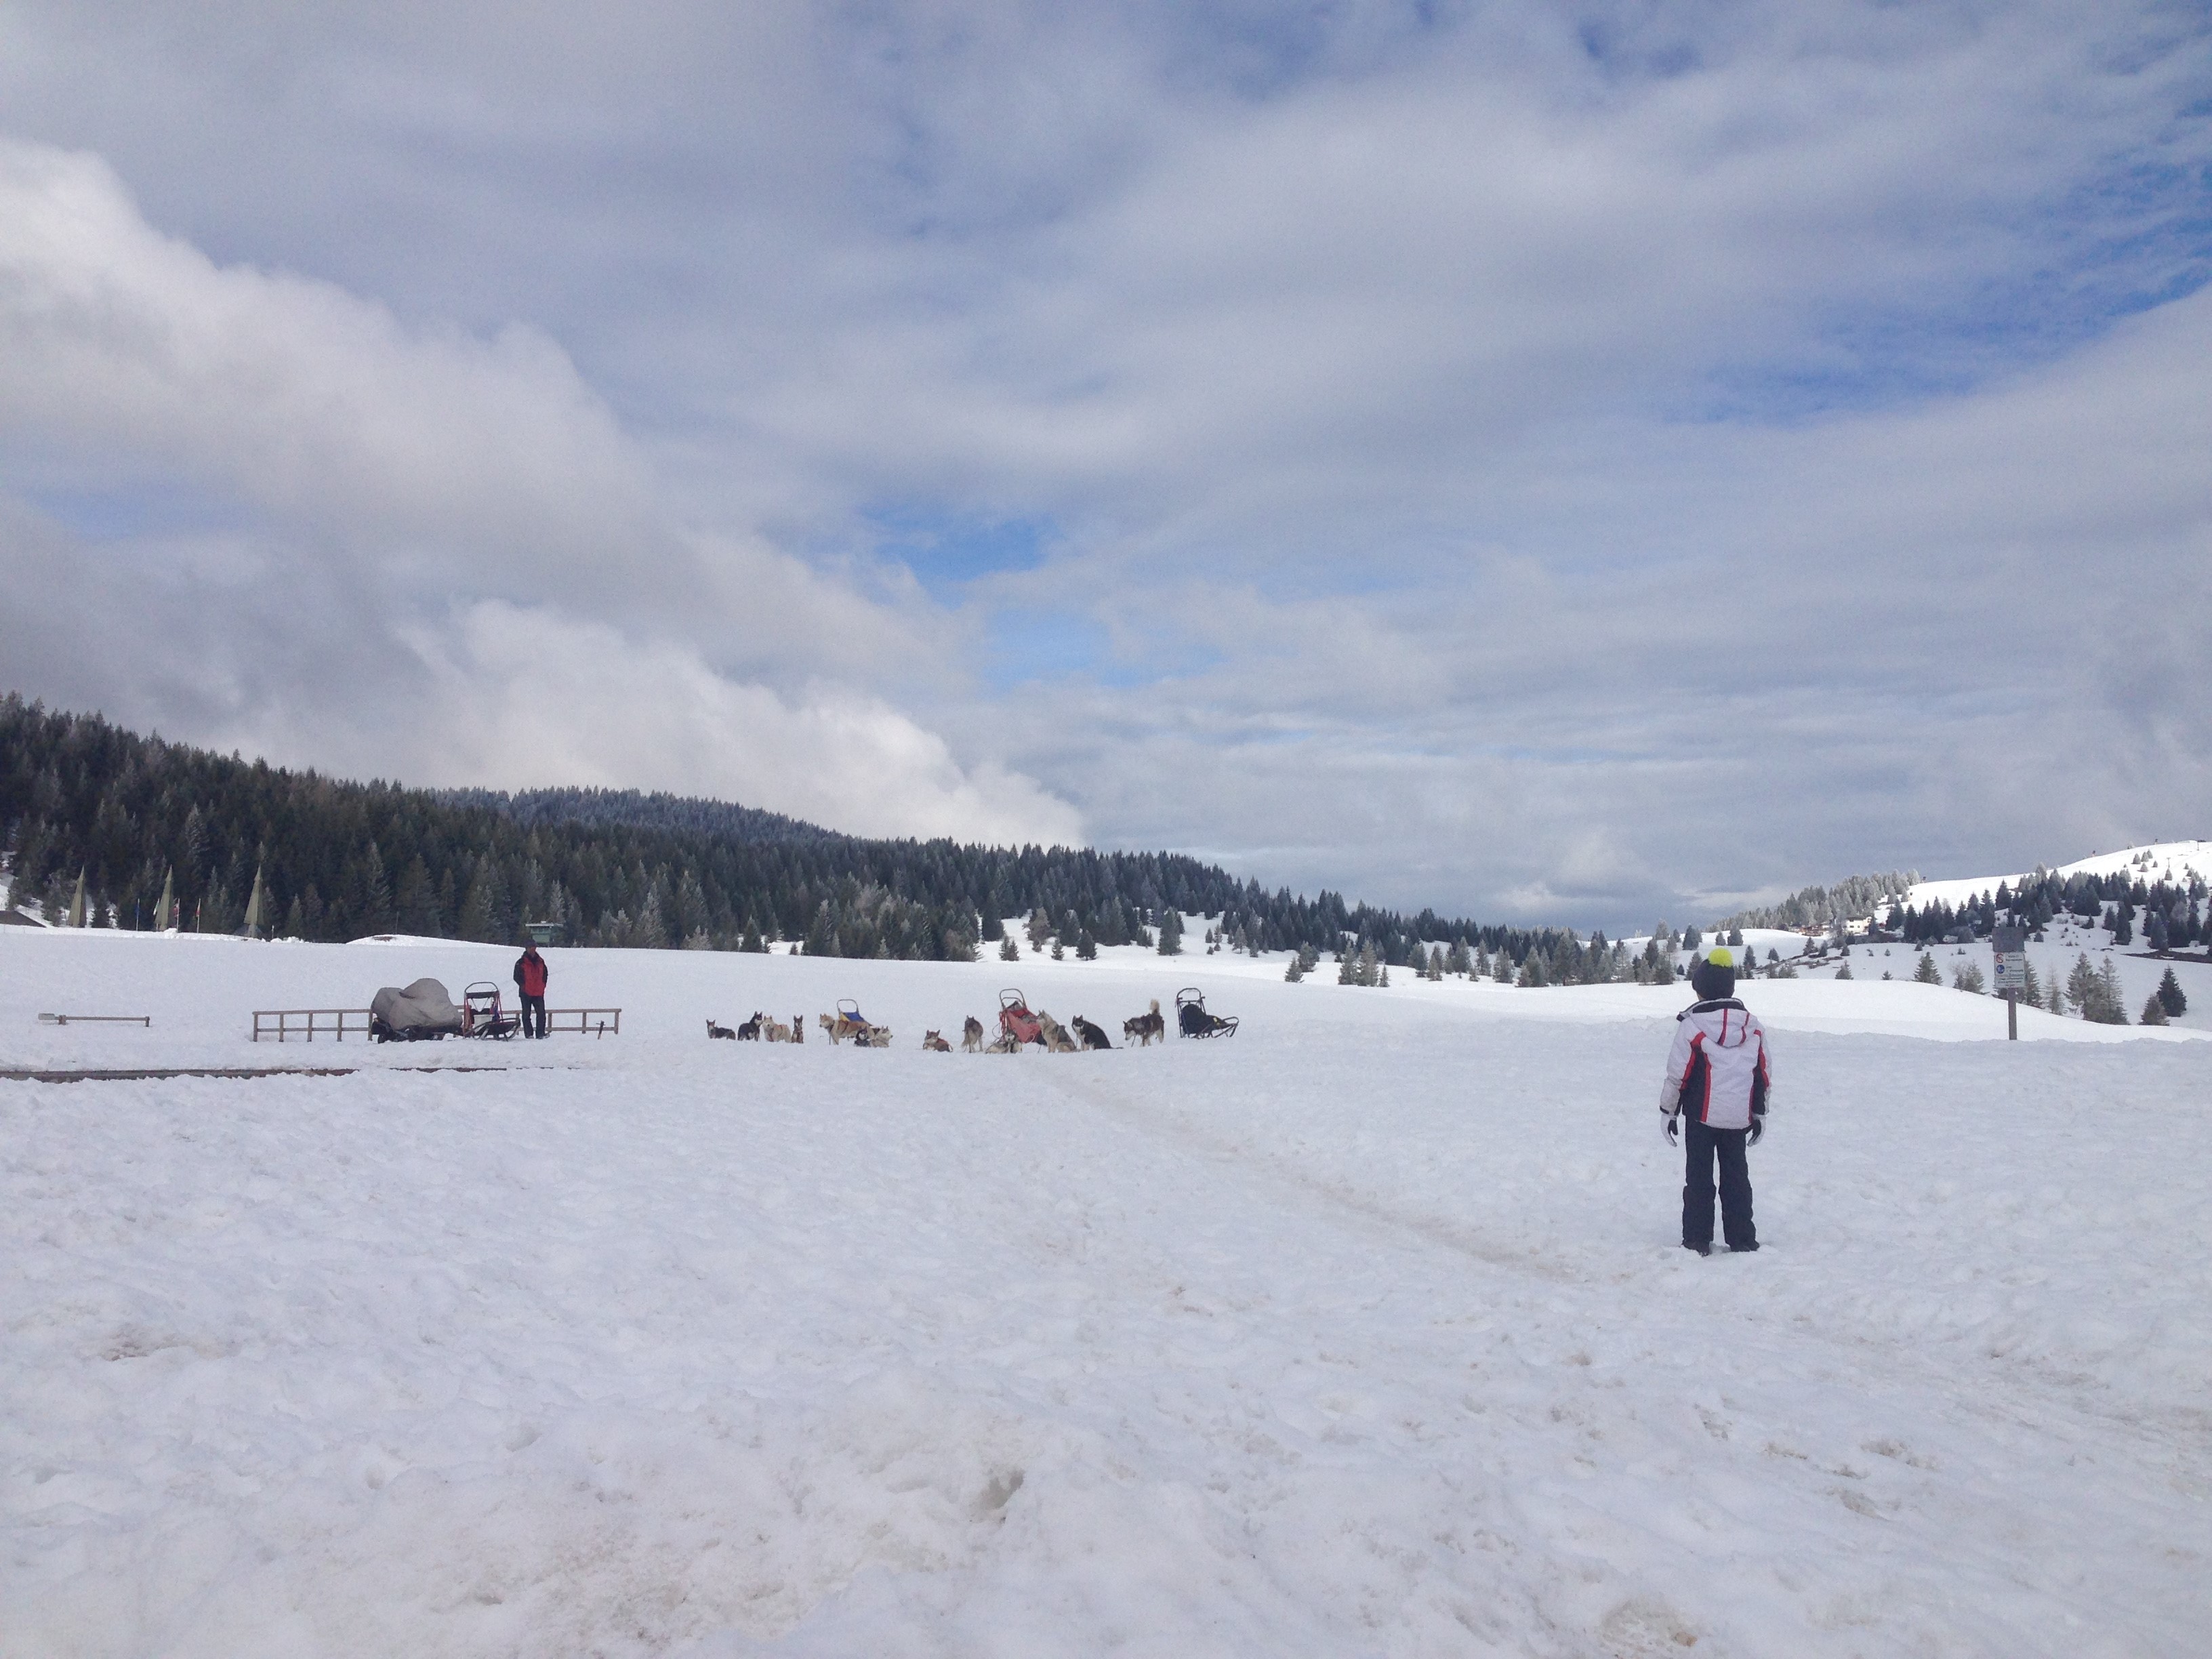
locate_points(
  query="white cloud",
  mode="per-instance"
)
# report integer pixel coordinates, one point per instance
(518, 697)
(384, 481)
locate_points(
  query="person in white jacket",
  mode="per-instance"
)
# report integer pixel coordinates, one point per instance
(1719, 1082)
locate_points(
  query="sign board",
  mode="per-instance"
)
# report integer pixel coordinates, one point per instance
(2011, 944)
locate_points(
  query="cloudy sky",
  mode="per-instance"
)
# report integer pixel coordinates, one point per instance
(1578, 462)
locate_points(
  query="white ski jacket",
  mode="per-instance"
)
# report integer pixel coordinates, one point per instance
(1718, 1071)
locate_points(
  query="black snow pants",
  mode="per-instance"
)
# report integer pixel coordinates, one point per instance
(1700, 1144)
(533, 1008)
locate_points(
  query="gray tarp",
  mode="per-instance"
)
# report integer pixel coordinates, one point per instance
(422, 1008)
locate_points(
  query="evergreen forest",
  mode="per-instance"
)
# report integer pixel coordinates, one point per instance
(133, 816)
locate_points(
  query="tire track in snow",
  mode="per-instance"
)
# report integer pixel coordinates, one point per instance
(1281, 1172)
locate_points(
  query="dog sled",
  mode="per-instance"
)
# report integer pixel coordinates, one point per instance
(485, 1015)
(849, 1021)
(1192, 1021)
(1016, 1024)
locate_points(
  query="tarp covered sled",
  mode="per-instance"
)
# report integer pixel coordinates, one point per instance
(422, 1009)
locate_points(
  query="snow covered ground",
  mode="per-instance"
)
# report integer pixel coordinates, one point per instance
(1363, 1332)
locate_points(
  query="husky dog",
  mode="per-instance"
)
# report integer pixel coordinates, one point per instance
(1008, 1043)
(714, 1031)
(1144, 1028)
(1056, 1039)
(971, 1036)
(1091, 1036)
(750, 1031)
(874, 1036)
(935, 1044)
(773, 1031)
(798, 1028)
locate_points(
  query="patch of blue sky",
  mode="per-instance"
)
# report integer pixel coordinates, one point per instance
(946, 551)
(1026, 645)
(2141, 238)
(126, 514)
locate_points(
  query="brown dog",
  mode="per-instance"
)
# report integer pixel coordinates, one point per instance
(935, 1044)
(971, 1036)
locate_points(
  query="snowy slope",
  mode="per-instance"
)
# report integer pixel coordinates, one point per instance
(1362, 1333)
(2177, 861)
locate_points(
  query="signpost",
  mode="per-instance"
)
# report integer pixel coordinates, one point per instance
(2011, 944)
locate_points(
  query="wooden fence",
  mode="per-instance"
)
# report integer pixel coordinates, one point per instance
(336, 1024)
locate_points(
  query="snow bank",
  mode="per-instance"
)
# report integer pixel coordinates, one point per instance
(1362, 1333)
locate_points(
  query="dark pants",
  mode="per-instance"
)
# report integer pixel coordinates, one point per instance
(538, 1004)
(1700, 1144)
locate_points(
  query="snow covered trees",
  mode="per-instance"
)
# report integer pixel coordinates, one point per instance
(1924, 972)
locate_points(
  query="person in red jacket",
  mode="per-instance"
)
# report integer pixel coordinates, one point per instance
(531, 974)
(1718, 1083)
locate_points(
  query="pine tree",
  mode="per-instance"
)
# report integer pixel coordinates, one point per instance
(1967, 976)
(2154, 1010)
(2081, 984)
(1086, 947)
(2170, 997)
(1926, 972)
(1170, 931)
(2108, 1008)
(1008, 950)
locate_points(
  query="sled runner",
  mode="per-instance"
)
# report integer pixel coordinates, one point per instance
(1192, 1021)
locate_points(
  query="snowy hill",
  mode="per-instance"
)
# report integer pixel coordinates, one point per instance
(1363, 1332)
(2177, 861)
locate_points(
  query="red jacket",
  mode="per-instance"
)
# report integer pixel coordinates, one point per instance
(531, 974)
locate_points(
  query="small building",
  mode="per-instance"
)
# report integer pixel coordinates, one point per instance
(543, 934)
